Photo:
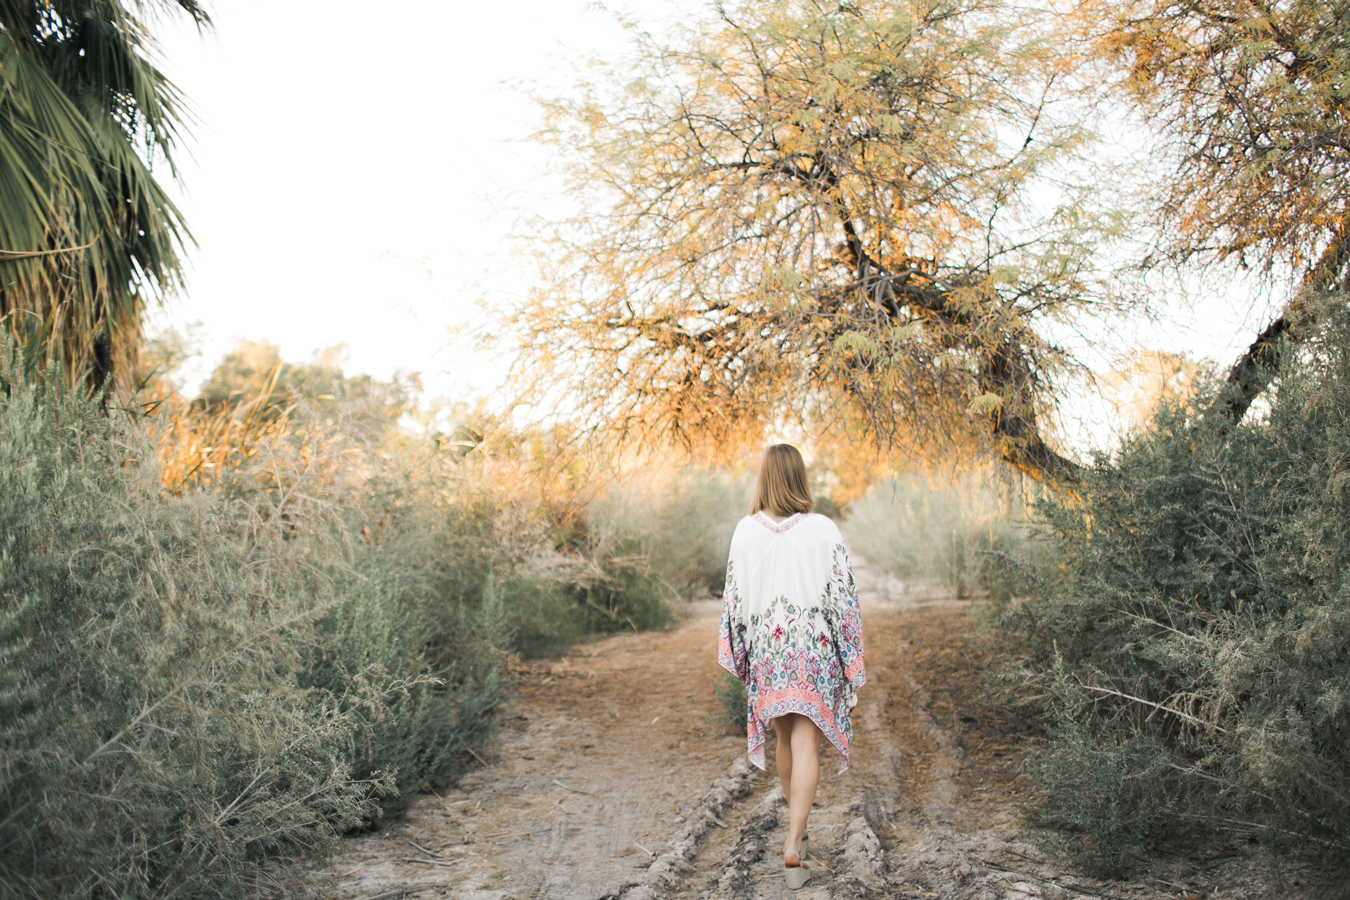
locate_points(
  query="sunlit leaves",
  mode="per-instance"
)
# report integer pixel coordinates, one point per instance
(809, 211)
(1252, 98)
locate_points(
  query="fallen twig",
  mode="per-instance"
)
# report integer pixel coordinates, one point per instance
(515, 833)
(644, 850)
(476, 756)
(1185, 889)
(1200, 723)
(440, 863)
(573, 790)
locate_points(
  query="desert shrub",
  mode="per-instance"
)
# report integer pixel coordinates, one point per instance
(445, 698)
(430, 519)
(1106, 788)
(560, 600)
(155, 739)
(1202, 605)
(629, 560)
(541, 616)
(230, 633)
(620, 591)
(227, 643)
(951, 533)
(677, 522)
(732, 704)
(421, 605)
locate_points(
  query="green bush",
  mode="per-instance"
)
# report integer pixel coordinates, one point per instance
(1201, 604)
(732, 702)
(630, 562)
(1106, 787)
(672, 529)
(542, 616)
(549, 611)
(441, 704)
(201, 692)
(420, 608)
(620, 592)
(155, 739)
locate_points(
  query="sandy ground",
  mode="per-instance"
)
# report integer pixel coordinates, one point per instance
(611, 780)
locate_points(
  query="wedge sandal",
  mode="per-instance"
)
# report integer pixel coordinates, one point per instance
(796, 876)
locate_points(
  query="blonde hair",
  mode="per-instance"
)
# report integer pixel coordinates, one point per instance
(781, 487)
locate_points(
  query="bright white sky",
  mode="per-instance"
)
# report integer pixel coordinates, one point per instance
(354, 173)
(354, 178)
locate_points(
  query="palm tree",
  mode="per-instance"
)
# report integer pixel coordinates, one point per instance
(88, 236)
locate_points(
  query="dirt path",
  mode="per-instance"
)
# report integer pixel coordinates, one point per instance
(611, 781)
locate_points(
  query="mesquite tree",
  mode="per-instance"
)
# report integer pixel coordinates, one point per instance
(1250, 97)
(809, 210)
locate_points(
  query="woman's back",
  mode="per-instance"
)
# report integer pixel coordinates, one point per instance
(790, 625)
(791, 632)
(791, 560)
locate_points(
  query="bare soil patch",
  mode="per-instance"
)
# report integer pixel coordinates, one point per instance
(610, 780)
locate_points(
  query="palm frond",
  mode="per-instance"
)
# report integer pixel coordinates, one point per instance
(89, 235)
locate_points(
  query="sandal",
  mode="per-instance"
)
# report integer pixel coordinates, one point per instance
(796, 876)
(806, 847)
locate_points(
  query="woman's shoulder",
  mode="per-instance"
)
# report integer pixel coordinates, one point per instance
(824, 525)
(742, 528)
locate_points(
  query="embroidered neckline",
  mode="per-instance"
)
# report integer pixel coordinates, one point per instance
(787, 524)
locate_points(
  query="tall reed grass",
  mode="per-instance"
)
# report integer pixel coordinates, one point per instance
(956, 533)
(158, 738)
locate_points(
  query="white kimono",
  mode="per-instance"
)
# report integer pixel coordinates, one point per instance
(791, 628)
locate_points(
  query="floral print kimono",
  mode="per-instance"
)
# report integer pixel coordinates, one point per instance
(790, 629)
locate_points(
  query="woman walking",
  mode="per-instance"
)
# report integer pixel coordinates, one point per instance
(791, 631)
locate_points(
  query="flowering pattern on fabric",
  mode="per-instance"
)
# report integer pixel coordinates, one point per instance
(802, 655)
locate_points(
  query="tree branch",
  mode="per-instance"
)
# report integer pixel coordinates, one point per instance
(1005, 370)
(1252, 372)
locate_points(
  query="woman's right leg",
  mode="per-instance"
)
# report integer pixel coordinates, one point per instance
(805, 776)
(799, 748)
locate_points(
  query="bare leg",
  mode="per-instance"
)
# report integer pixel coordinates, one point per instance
(801, 738)
(782, 726)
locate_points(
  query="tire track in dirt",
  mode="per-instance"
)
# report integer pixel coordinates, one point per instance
(610, 781)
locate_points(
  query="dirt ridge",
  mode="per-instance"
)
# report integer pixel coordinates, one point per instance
(664, 872)
(737, 881)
